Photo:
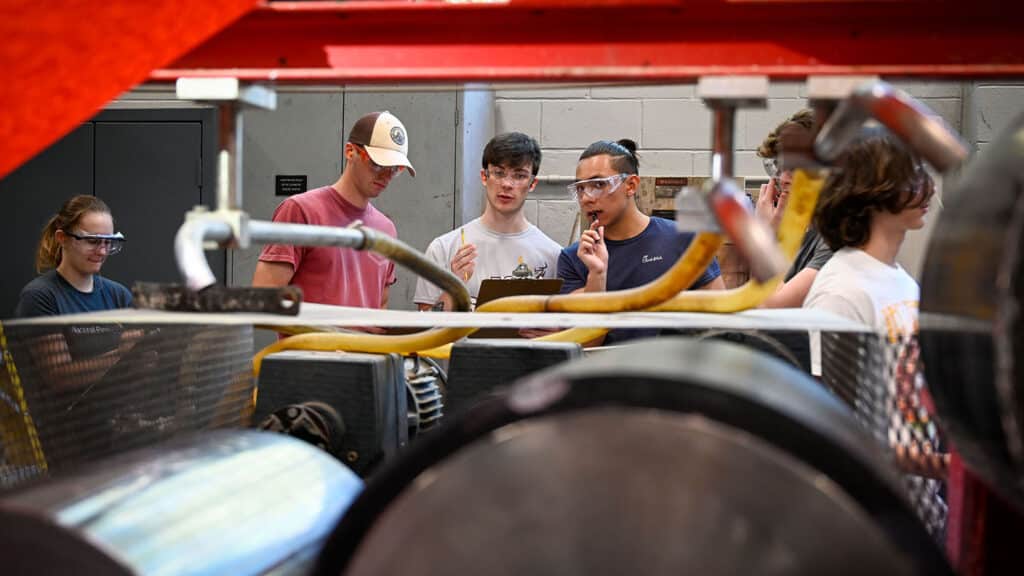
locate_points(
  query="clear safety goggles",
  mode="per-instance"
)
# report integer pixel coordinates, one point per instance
(113, 243)
(595, 187)
(518, 177)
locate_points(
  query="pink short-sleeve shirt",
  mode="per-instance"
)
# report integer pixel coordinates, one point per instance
(338, 276)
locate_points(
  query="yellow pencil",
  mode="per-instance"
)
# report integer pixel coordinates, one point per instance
(462, 231)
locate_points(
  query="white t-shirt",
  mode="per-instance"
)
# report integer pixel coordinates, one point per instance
(497, 256)
(860, 287)
(856, 285)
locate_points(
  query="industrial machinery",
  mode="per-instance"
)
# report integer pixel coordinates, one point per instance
(366, 392)
(652, 456)
(70, 395)
(223, 502)
(479, 367)
(970, 325)
(671, 456)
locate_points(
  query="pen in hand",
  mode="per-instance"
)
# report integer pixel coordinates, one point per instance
(462, 232)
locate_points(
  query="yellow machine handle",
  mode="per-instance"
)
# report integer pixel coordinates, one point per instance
(803, 198)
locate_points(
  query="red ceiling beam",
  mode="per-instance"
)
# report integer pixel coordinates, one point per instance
(62, 60)
(534, 40)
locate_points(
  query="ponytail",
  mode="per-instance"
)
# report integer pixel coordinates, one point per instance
(48, 254)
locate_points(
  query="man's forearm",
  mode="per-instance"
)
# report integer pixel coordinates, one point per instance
(596, 282)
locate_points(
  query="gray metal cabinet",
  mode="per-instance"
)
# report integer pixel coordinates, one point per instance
(150, 175)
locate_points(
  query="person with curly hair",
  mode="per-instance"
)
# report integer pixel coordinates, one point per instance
(878, 193)
(771, 202)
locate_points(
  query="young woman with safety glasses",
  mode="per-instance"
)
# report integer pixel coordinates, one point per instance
(75, 244)
(623, 248)
(70, 362)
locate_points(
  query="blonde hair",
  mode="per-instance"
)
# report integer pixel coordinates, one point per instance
(48, 254)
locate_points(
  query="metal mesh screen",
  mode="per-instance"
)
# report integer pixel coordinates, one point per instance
(74, 393)
(883, 382)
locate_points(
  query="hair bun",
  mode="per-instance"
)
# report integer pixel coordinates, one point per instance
(628, 145)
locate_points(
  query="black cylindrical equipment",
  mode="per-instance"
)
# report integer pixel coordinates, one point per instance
(664, 457)
(971, 328)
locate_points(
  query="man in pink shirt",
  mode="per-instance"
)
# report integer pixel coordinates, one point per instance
(376, 150)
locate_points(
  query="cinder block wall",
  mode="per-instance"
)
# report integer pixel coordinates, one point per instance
(989, 107)
(673, 129)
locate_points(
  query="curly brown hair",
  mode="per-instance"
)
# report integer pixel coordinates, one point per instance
(875, 173)
(801, 118)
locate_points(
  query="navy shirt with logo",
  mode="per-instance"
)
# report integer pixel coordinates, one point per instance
(634, 262)
(51, 295)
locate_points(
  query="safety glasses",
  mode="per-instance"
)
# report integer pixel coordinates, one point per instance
(595, 188)
(516, 177)
(113, 243)
(377, 168)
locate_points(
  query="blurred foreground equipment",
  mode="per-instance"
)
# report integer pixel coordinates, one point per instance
(653, 456)
(223, 502)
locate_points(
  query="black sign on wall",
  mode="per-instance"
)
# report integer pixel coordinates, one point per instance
(289, 185)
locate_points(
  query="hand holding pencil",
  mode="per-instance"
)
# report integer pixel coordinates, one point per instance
(464, 261)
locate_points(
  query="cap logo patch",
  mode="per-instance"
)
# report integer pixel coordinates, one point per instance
(398, 135)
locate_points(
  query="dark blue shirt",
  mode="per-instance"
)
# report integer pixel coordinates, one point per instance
(51, 295)
(634, 262)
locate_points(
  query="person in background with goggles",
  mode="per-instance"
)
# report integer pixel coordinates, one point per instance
(74, 245)
(500, 243)
(814, 251)
(71, 361)
(376, 151)
(623, 248)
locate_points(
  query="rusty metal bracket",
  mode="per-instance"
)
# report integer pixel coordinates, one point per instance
(176, 297)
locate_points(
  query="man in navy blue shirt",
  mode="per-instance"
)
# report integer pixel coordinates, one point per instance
(623, 248)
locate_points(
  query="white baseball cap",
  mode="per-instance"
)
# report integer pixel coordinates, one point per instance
(384, 137)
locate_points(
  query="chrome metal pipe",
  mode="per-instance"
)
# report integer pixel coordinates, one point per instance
(189, 251)
(753, 238)
(910, 120)
(188, 248)
(722, 133)
(229, 158)
(262, 232)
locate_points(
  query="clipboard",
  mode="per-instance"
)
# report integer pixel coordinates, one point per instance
(495, 288)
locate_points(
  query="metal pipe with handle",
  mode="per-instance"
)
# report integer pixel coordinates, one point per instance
(904, 116)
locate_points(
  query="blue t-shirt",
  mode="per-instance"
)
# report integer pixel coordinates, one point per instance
(634, 262)
(51, 295)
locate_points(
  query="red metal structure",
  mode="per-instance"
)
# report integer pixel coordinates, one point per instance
(639, 40)
(64, 60)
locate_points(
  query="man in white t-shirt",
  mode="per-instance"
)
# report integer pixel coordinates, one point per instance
(878, 194)
(501, 243)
